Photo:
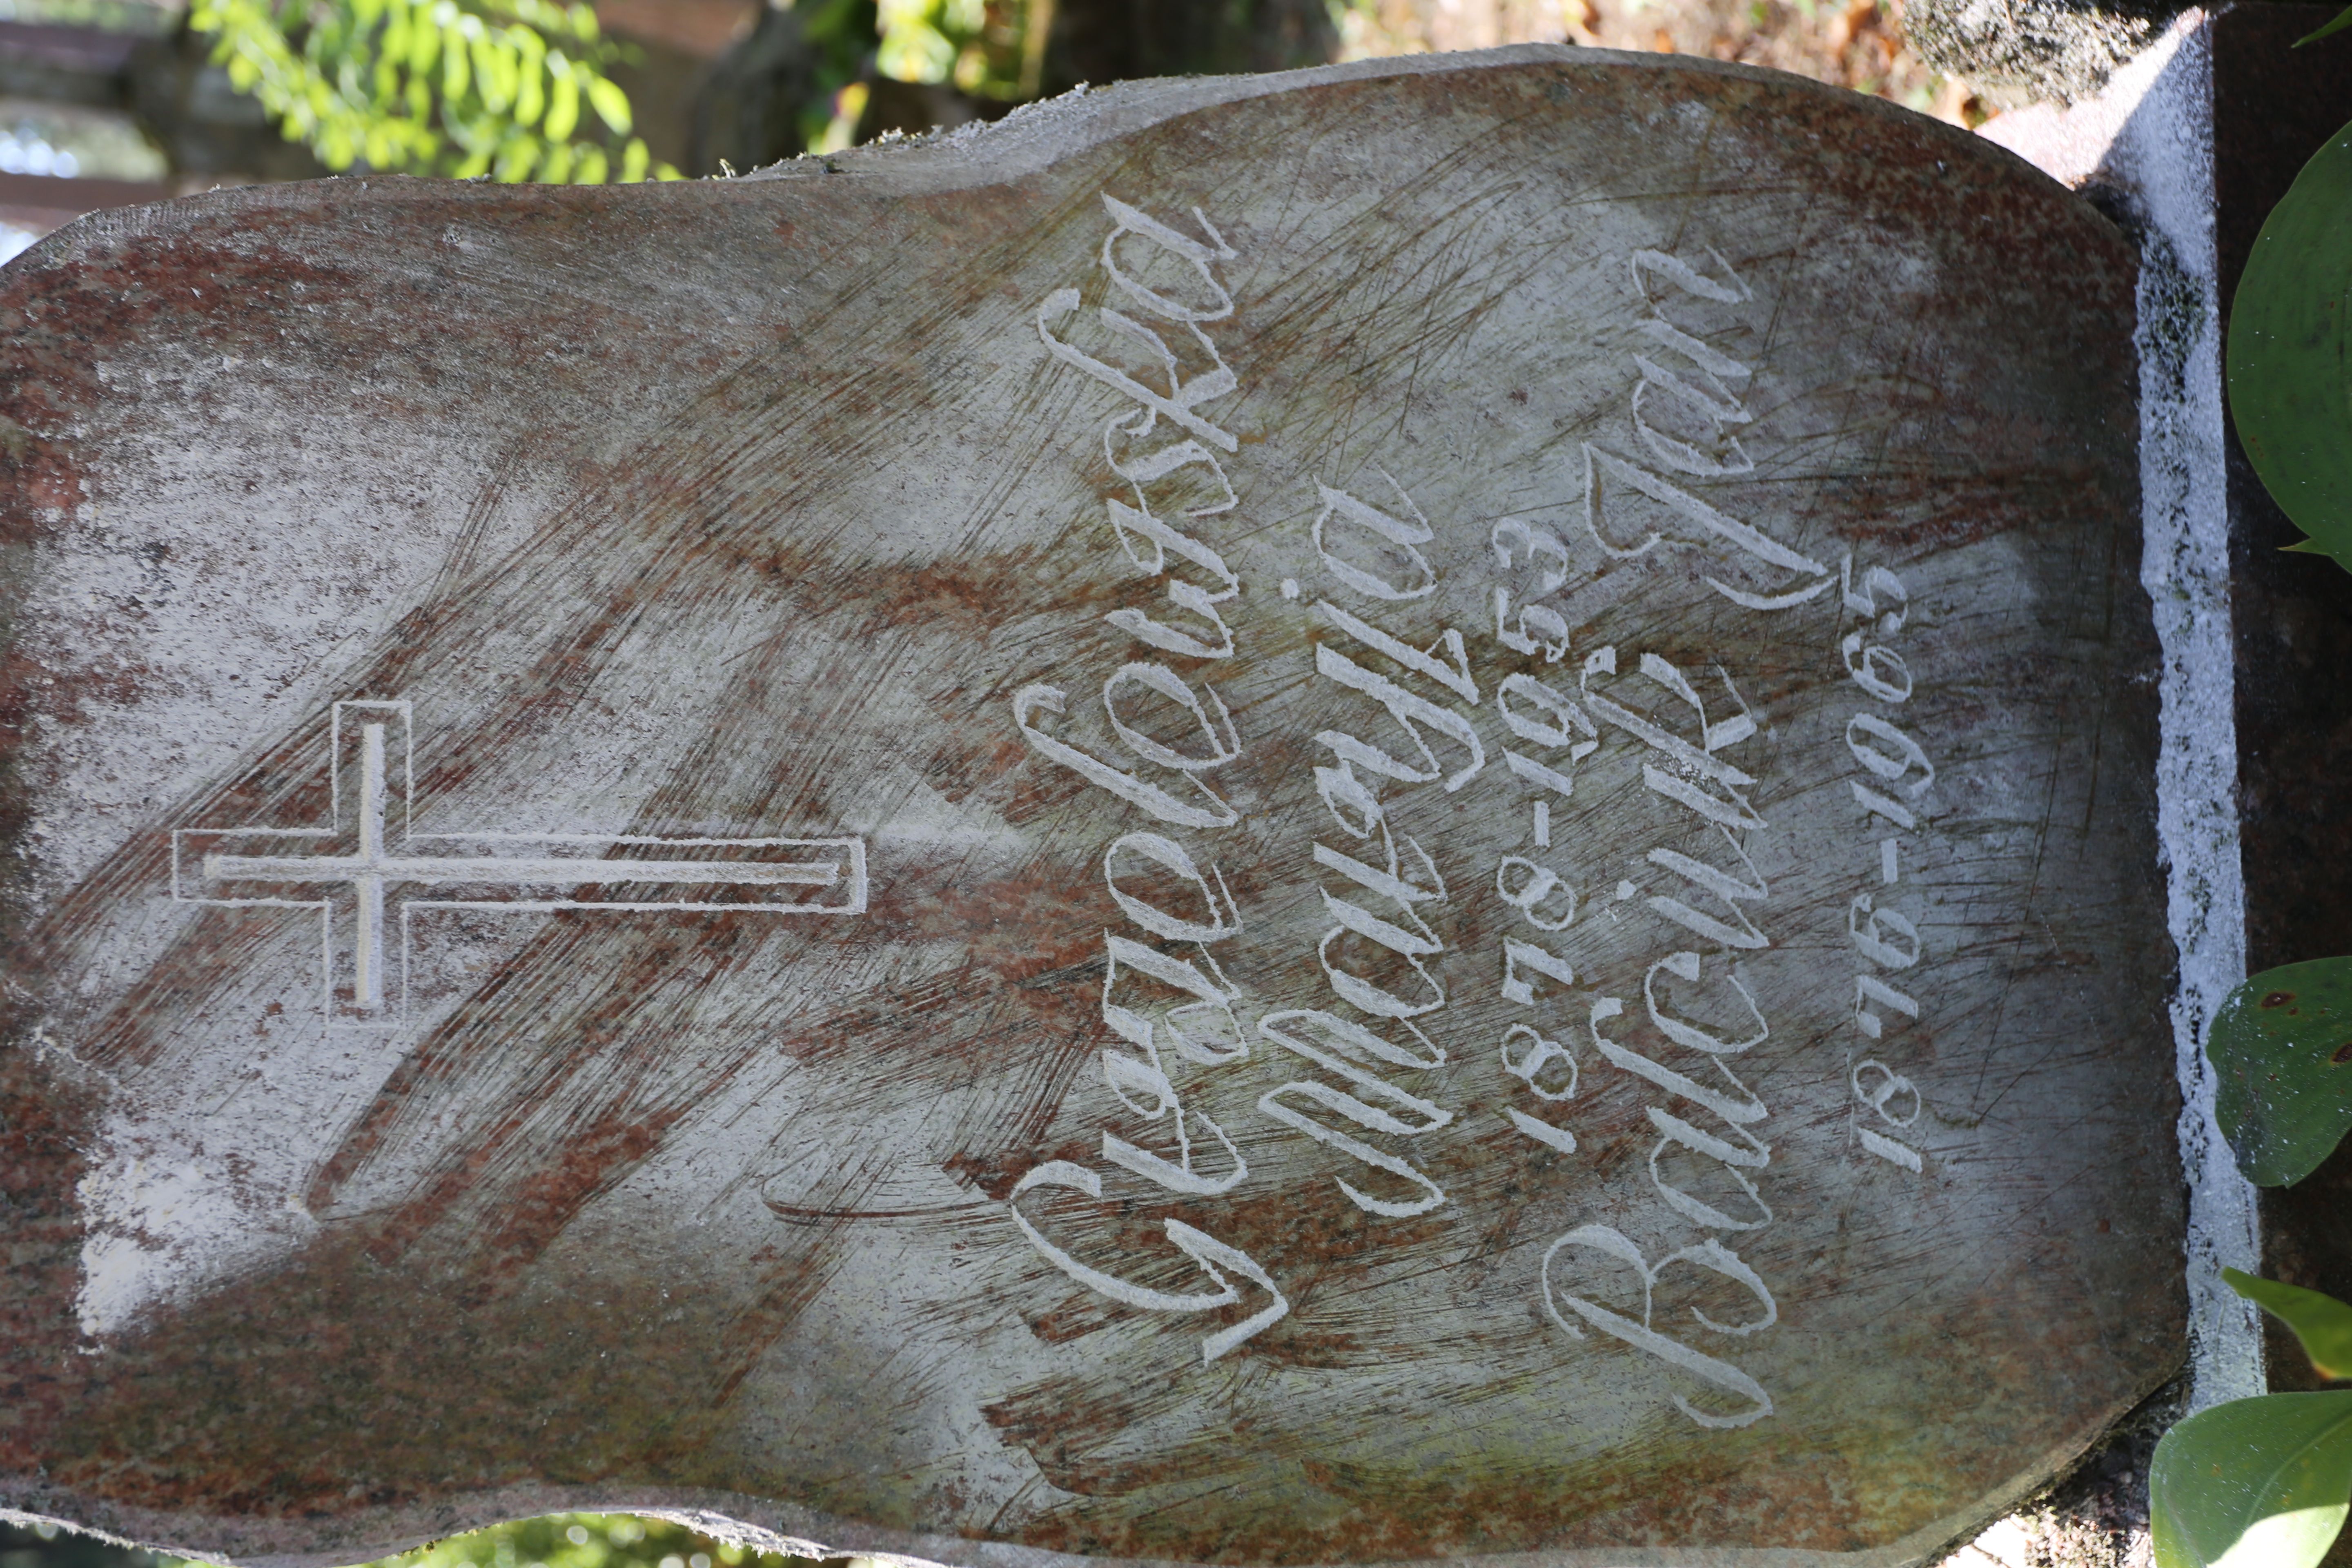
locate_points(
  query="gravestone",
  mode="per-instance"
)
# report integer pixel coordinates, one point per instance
(1398, 813)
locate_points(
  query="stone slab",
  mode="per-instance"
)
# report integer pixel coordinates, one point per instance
(1400, 813)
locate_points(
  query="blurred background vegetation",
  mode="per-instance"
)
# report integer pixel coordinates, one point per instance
(105, 102)
(559, 1541)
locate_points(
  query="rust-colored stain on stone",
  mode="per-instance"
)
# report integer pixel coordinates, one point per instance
(1397, 813)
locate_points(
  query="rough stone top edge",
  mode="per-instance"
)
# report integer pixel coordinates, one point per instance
(1034, 135)
(1024, 142)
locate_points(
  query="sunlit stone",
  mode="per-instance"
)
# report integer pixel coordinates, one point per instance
(1394, 814)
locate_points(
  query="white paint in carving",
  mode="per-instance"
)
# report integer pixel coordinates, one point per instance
(1177, 404)
(1206, 1250)
(1517, 987)
(1731, 891)
(1863, 600)
(1726, 805)
(1540, 628)
(1536, 1053)
(202, 870)
(194, 644)
(1887, 1086)
(1410, 711)
(1745, 1109)
(1452, 672)
(1718, 409)
(1225, 915)
(1565, 716)
(1543, 1132)
(1203, 258)
(1716, 531)
(1275, 1104)
(1878, 670)
(1886, 1148)
(1755, 1155)
(1685, 965)
(1214, 997)
(1352, 1040)
(1878, 805)
(1870, 991)
(1029, 701)
(1127, 523)
(1870, 927)
(1711, 1256)
(1684, 276)
(1511, 534)
(1536, 884)
(1399, 535)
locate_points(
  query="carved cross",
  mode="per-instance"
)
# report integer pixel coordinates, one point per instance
(365, 871)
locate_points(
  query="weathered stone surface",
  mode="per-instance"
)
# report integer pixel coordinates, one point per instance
(1239, 1133)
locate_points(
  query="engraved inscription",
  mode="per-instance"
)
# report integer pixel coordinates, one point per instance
(1529, 689)
(1502, 707)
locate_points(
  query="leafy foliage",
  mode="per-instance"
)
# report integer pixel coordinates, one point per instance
(2343, 20)
(991, 49)
(587, 1541)
(2290, 349)
(514, 89)
(2322, 1322)
(841, 34)
(2266, 1482)
(2255, 1483)
(2282, 1049)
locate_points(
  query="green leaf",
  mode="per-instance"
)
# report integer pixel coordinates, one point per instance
(516, 158)
(426, 85)
(531, 99)
(633, 159)
(423, 44)
(563, 106)
(592, 167)
(489, 74)
(2322, 1322)
(914, 50)
(2282, 1052)
(2343, 20)
(2290, 350)
(2255, 1483)
(611, 105)
(457, 67)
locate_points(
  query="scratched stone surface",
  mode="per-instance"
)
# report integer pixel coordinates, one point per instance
(1395, 814)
